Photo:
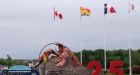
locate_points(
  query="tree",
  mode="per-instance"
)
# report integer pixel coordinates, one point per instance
(9, 57)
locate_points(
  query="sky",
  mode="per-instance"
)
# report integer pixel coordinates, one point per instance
(27, 25)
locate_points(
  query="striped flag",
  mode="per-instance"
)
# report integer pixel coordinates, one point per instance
(105, 9)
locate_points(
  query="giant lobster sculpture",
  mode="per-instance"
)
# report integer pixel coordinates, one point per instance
(63, 53)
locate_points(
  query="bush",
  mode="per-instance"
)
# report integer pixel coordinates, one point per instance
(136, 70)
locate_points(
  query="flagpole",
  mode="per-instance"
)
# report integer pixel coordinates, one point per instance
(54, 13)
(104, 46)
(104, 38)
(81, 59)
(81, 55)
(130, 59)
(105, 12)
(129, 3)
(53, 26)
(104, 51)
(130, 62)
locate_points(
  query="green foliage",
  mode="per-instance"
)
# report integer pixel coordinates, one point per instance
(9, 57)
(98, 54)
(10, 62)
(136, 58)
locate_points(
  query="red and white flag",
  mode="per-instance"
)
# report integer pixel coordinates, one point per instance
(112, 10)
(109, 9)
(57, 15)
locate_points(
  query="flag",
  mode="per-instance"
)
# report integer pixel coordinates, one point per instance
(85, 11)
(45, 57)
(57, 14)
(105, 9)
(132, 7)
(112, 10)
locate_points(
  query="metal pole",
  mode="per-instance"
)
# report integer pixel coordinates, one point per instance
(130, 62)
(104, 53)
(81, 55)
(104, 45)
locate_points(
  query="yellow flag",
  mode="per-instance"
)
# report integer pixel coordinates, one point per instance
(85, 11)
(45, 58)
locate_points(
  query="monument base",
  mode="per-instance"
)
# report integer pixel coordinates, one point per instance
(50, 68)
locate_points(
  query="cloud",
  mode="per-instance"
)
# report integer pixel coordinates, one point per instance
(27, 25)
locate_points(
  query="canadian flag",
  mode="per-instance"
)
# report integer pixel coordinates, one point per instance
(112, 10)
(58, 15)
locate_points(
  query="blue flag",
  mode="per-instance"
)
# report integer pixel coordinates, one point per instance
(105, 9)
